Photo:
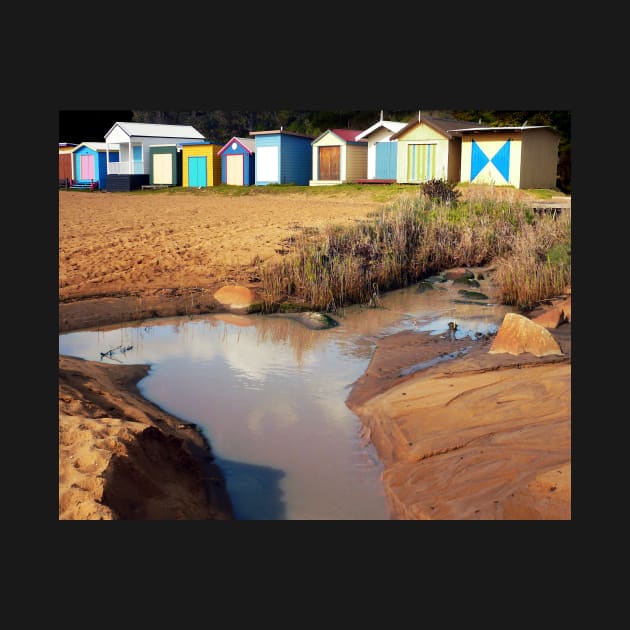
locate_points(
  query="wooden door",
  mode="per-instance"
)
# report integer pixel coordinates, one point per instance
(234, 170)
(329, 161)
(65, 166)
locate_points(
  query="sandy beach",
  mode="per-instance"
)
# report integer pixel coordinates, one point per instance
(481, 437)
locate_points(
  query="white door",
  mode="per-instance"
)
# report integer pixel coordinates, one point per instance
(234, 170)
(267, 168)
(163, 168)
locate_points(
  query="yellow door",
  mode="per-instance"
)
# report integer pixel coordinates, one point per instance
(234, 175)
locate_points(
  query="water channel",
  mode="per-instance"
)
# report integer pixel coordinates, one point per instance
(269, 394)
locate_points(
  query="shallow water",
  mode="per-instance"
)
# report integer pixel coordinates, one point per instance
(270, 394)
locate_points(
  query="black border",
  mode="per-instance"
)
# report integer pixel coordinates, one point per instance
(399, 82)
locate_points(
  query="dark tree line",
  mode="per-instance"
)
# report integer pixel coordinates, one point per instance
(220, 125)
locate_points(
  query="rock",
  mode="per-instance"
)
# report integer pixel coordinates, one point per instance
(459, 274)
(440, 277)
(313, 320)
(317, 321)
(472, 283)
(551, 318)
(423, 285)
(566, 308)
(518, 334)
(235, 297)
(558, 314)
(473, 295)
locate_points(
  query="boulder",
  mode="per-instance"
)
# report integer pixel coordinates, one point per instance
(440, 277)
(566, 309)
(235, 297)
(473, 295)
(459, 274)
(518, 334)
(551, 318)
(311, 319)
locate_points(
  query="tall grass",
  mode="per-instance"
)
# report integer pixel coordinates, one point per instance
(414, 237)
(538, 264)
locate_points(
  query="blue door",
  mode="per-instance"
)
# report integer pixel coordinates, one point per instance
(386, 160)
(197, 171)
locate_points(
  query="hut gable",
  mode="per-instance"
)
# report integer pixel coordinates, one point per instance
(445, 127)
(247, 144)
(382, 150)
(238, 161)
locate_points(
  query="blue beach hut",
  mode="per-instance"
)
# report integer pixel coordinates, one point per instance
(90, 164)
(238, 162)
(282, 157)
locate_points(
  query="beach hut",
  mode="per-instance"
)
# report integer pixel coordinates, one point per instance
(165, 165)
(382, 150)
(132, 170)
(338, 157)
(201, 164)
(238, 161)
(282, 157)
(523, 157)
(65, 162)
(89, 161)
(429, 147)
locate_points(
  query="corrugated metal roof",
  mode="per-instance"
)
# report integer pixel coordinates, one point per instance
(157, 130)
(390, 125)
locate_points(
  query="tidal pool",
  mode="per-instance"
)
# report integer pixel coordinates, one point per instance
(269, 394)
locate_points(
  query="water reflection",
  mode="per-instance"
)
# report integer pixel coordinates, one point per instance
(255, 490)
(270, 395)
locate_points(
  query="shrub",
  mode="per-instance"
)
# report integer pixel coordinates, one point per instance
(440, 190)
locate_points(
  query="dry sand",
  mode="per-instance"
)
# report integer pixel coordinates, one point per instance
(127, 256)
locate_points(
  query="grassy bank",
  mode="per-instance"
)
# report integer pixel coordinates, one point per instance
(415, 236)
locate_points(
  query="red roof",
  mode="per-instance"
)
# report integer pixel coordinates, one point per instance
(348, 135)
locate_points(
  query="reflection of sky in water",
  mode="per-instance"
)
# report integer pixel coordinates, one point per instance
(270, 395)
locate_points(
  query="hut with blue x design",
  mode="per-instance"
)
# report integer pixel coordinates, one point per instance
(523, 157)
